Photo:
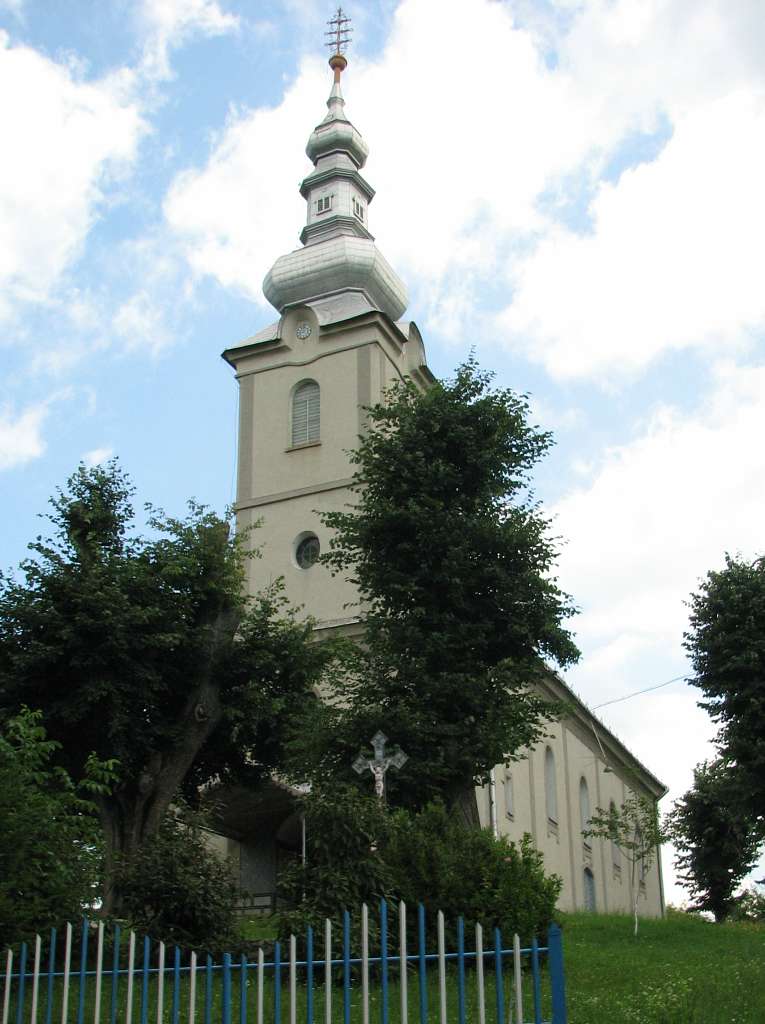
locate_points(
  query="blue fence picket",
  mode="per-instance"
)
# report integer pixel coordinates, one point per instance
(145, 980)
(557, 977)
(83, 970)
(115, 976)
(499, 986)
(309, 976)
(277, 983)
(29, 979)
(460, 970)
(384, 960)
(22, 982)
(208, 989)
(346, 967)
(243, 990)
(422, 964)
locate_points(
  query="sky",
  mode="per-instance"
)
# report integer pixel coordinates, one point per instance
(572, 188)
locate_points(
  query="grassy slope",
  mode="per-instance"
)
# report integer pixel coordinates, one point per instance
(682, 970)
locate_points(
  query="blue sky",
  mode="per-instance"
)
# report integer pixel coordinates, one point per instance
(572, 187)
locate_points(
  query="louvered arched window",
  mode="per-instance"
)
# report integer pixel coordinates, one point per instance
(306, 421)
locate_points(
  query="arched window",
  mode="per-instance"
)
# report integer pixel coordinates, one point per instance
(584, 807)
(509, 801)
(616, 855)
(306, 421)
(589, 890)
(551, 789)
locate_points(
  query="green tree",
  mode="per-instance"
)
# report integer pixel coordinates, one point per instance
(453, 561)
(50, 844)
(147, 650)
(726, 645)
(716, 846)
(634, 827)
(176, 888)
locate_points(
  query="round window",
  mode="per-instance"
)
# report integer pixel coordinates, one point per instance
(307, 551)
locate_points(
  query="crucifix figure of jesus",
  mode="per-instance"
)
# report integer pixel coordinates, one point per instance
(380, 763)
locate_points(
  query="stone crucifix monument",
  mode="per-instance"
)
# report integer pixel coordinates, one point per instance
(380, 763)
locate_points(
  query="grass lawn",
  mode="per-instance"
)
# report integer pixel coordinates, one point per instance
(682, 970)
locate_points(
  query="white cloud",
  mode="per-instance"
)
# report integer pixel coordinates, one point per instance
(655, 516)
(97, 456)
(140, 323)
(21, 437)
(63, 140)
(462, 153)
(674, 260)
(170, 23)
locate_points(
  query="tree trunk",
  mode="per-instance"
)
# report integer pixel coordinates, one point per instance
(134, 812)
(463, 805)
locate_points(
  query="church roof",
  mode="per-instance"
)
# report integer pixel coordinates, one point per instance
(339, 254)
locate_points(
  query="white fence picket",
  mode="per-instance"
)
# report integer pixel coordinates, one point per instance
(161, 982)
(131, 971)
(99, 973)
(364, 964)
(293, 980)
(479, 982)
(192, 986)
(36, 980)
(403, 961)
(441, 968)
(67, 969)
(327, 971)
(518, 979)
(261, 983)
(7, 992)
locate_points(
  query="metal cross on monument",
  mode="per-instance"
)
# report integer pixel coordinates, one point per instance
(380, 763)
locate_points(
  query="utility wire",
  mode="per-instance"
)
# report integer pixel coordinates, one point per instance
(618, 700)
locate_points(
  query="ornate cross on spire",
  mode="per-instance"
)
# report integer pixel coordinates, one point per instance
(379, 764)
(339, 36)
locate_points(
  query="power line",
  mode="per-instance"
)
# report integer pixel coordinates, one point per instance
(637, 693)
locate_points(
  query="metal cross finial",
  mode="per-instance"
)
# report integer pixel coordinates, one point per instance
(339, 34)
(379, 764)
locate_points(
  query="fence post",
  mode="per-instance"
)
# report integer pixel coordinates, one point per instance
(226, 1001)
(557, 977)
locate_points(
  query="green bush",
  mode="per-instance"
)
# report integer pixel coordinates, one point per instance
(357, 852)
(50, 838)
(177, 889)
(435, 860)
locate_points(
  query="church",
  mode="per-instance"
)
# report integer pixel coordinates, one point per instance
(304, 382)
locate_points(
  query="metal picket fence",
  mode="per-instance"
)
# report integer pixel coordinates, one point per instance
(126, 978)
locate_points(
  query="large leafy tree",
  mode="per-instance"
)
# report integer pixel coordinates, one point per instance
(50, 848)
(715, 843)
(146, 649)
(726, 645)
(453, 561)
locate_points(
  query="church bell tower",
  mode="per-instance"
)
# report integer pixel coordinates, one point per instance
(305, 380)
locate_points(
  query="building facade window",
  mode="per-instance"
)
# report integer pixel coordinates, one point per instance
(509, 799)
(589, 890)
(306, 413)
(616, 856)
(551, 788)
(307, 550)
(324, 204)
(584, 808)
(358, 209)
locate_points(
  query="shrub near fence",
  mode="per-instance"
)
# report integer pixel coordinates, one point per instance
(97, 974)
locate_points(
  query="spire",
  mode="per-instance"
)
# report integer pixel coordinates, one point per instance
(339, 253)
